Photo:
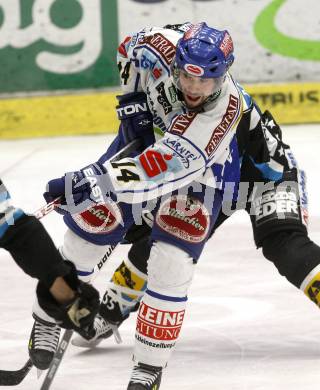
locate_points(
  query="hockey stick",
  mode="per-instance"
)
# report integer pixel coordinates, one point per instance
(15, 377)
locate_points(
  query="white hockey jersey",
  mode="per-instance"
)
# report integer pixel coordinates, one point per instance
(189, 142)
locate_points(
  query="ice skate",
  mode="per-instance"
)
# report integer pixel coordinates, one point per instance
(43, 342)
(145, 377)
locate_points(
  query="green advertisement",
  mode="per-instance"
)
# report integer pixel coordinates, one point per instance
(57, 44)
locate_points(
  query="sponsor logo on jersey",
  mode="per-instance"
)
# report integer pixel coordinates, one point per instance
(276, 204)
(184, 154)
(226, 45)
(224, 126)
(99, 219)
(194, 70)
(163, 99)
(158, 324)
(157, 120)
(146, 62)
(162, 46)
(154, 163)
(157, 73)
(184, 217)
(180, 124)
(173, 94)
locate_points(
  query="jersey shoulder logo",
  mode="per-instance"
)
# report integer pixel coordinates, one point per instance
(181, 122)
(224, 126)
(165, 48)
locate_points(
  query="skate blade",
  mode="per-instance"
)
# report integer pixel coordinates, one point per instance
(39, 373)
(116, 334)
(83, 343)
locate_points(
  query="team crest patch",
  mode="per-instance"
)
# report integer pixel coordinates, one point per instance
(99, 219)
(184, 217)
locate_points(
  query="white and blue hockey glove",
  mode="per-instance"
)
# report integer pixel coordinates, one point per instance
(79, 190)
(136, 118)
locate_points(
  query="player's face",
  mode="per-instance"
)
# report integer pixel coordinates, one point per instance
(195, 89)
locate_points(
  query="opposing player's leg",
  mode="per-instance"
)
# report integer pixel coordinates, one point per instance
(45, 332)
(180, 230)
(279, 219)
(91, 236)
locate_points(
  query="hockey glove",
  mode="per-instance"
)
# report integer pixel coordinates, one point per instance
(80, 312)
(136, 118)
(79, 190)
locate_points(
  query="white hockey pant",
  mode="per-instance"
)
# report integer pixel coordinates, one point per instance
(162, 308)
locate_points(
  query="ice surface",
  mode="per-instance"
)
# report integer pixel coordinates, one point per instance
(246, 327)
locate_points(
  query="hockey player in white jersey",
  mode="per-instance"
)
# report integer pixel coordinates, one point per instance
(211, 139)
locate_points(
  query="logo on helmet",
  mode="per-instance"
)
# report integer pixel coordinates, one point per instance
(226, 45)
(194, 70)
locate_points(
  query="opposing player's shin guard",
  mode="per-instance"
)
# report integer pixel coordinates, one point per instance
(162, 309)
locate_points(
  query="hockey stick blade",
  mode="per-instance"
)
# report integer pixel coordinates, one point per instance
(13, 378)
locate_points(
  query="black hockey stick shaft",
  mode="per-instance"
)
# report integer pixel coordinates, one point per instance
(13, 378)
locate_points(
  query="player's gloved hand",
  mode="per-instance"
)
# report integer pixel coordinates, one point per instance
(79, 313)
(136, 118)
(80, 189)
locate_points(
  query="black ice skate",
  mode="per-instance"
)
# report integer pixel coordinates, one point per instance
(145, 377)
(43, 343)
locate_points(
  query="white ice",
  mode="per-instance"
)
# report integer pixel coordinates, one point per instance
(246, 327)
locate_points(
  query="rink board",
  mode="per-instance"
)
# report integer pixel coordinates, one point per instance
(94, 113)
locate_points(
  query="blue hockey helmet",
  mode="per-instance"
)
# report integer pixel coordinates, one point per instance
(204, 51)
